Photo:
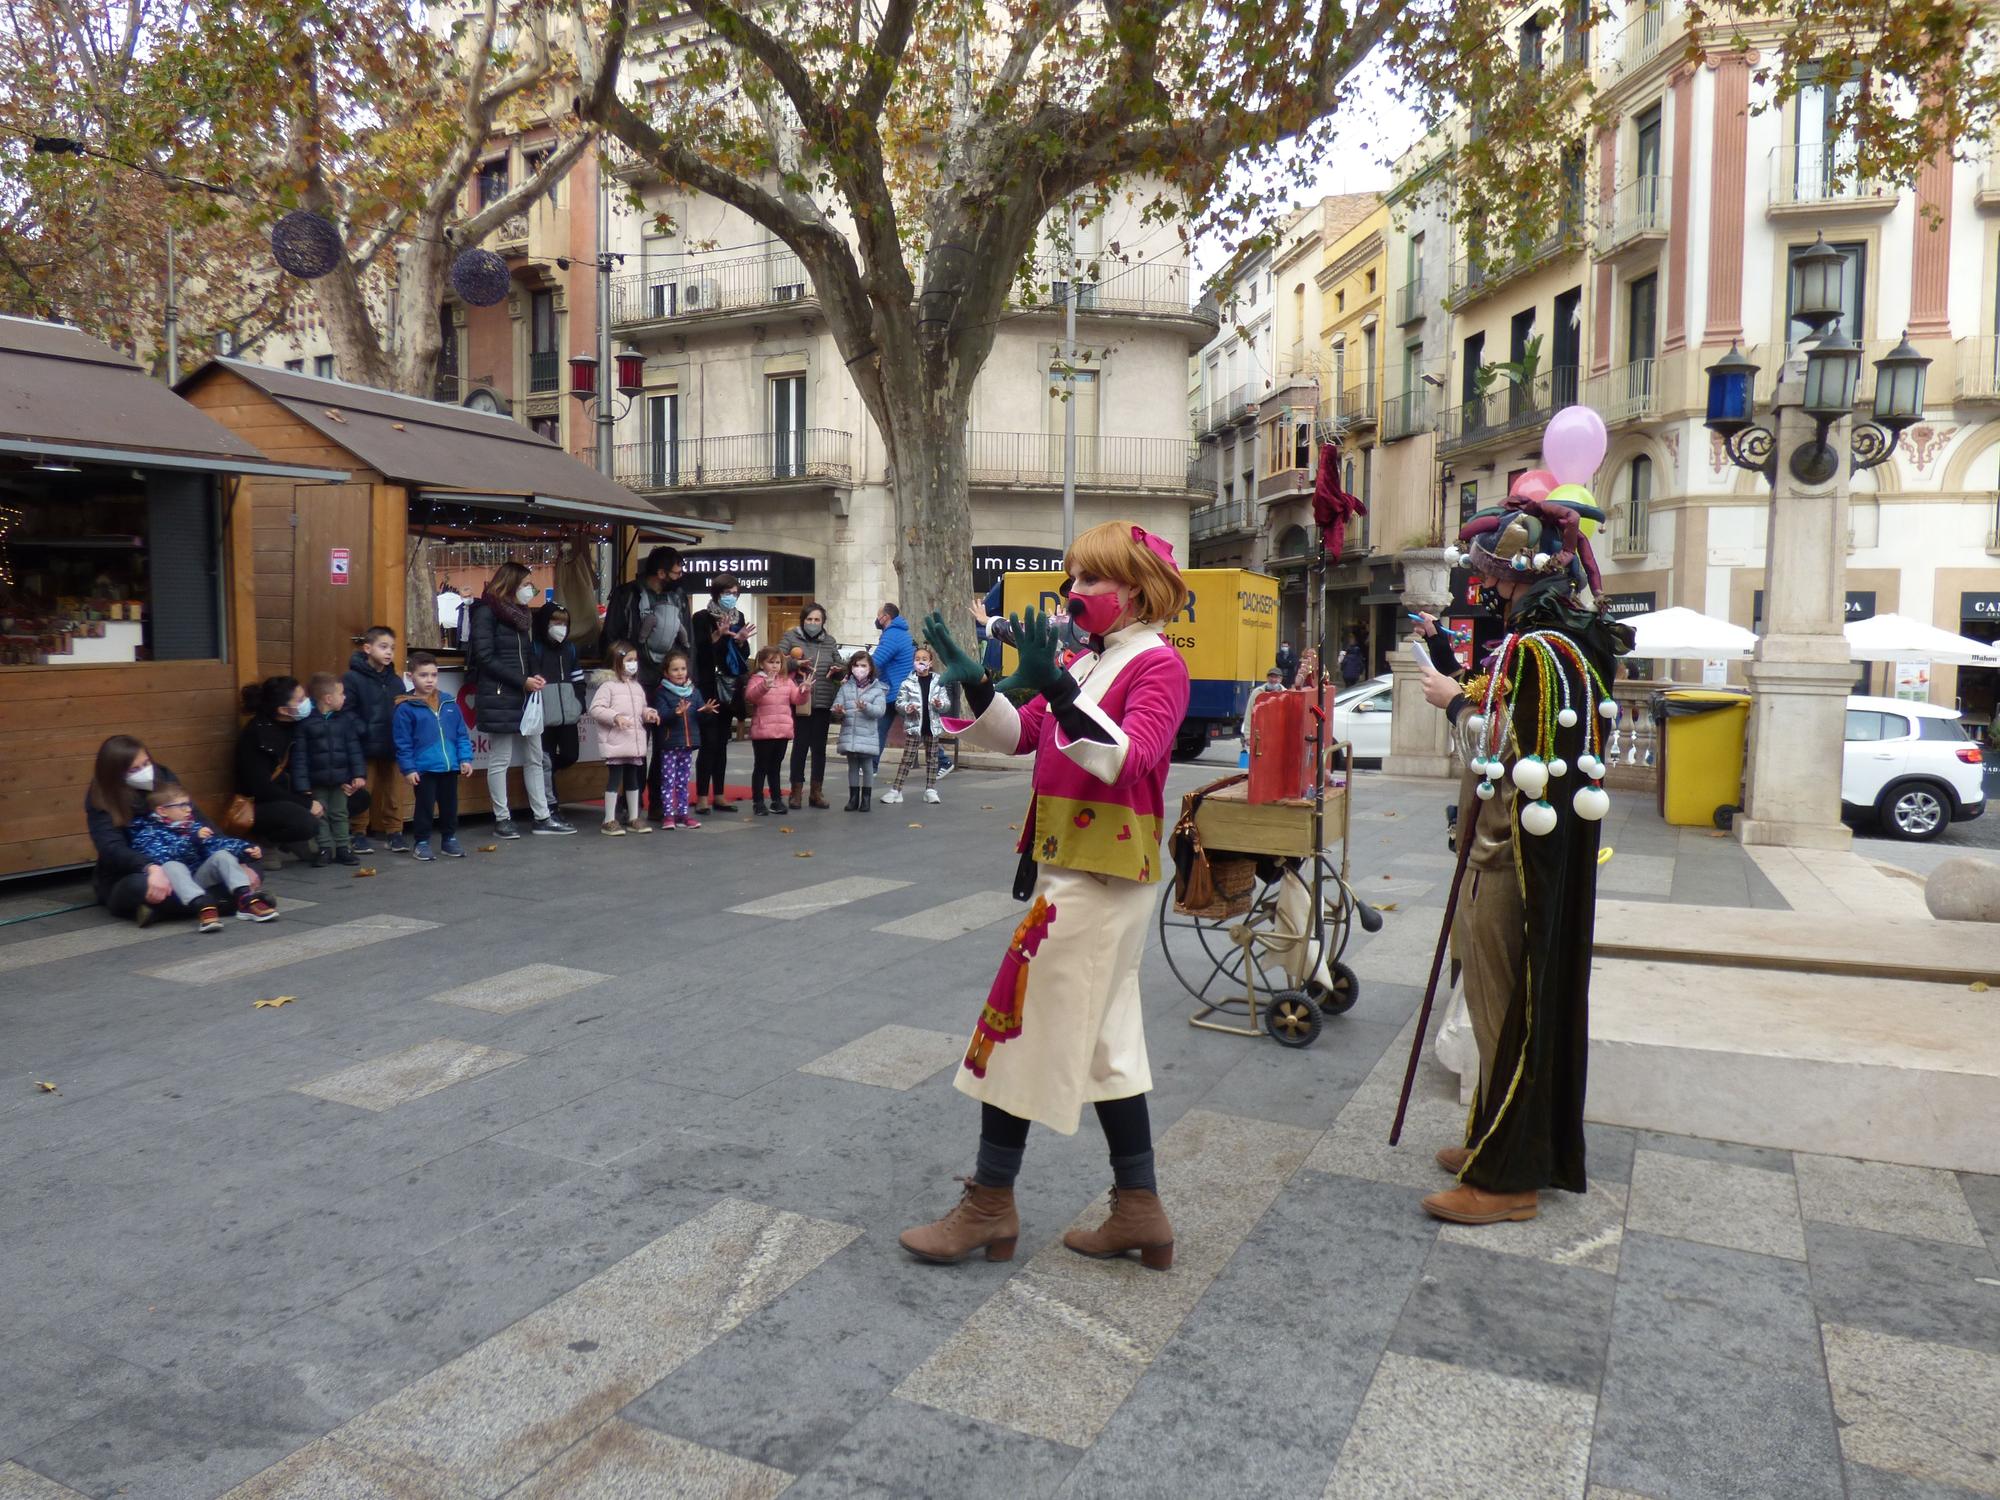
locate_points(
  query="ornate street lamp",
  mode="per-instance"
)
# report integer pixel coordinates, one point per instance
(1833, 370)
(1819, 276)
(630, 373)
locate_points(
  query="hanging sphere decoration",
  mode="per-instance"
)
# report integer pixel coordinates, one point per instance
(1484, 791)
(1592, 803)
(1607, 709)
(1538, 818)
(1567, 718)
(480, 277)
(306, 244)
(1531, 775)
(1558, 767)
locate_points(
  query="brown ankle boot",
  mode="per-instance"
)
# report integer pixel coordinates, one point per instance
(798, 797)
(1466, 1204)
(1137, 1221)
(819, 795)
(1453, 1158)
(984, 1219)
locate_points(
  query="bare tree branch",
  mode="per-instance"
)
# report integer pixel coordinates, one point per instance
(892, 39)
(552, 170)
(772, 53)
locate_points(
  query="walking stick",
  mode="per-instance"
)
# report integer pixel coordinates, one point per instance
(1465, 832)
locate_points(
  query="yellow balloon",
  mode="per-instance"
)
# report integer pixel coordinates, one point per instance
(1586, 525)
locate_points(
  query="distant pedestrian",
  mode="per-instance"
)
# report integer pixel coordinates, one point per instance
(373, 685)
(862, 704)
(1288, 661)
(682, 709)
(1353, 659)
(721, 665)
(434, 753)
(651, 611)
(327, 762)
(557, 663)
(812, 645)
(771, 696)
(923, 703)
(1273, 682)
(622, 710)
(894, 655)
(501, 657)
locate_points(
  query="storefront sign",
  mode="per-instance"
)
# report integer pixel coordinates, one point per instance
(1622, 606)
(989, 563)
(336, 568)
(758, 572)
(1860, 606)
(1982, 609)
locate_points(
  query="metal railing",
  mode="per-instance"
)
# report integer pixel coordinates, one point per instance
(1405, 416)
(1410, 302)
(1824, 172)
(1630, 536)
(1636, 209)
(544, 371)
(1643, 33)
(1109, 286)
(1352, 407)
(1472, 276)
(1629, 392)
(743, 458)
(1509, 410)
(702, 289)
(1177, 465)
(1978, 361)
(1226, 409)
(1219, 518)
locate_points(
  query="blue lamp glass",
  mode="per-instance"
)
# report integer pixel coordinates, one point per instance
(1731, 393)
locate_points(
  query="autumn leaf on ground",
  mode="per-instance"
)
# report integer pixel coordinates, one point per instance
(802, 854)
(272, 1004)
(986, 807)
(1385, 906)
(916, 825)
(783, 829)
(46, 1088)
(1979, 986)
(488, 848)
(364, 872)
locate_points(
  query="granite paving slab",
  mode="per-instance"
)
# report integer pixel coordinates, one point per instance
(1716, 1203)
(621, 1461)
(1913, 1201)
(295, 945)
(950, 919)
(1572, 1229)
(1919, 1289)
(17, 1483)
(98, 937)
(385, 1082)
(809, 900)
(1509, 1315)
(891, 1057)
(517, 989)
(1915, 1408)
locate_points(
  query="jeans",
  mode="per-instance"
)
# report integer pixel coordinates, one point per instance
(439, 788)
(191, 887)
(882, 731)
(860, 770)
(809, 733)
(507, 748)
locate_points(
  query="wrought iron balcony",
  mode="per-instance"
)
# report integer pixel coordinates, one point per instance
(544, 372)
(1510, 411)
(1823, 175)
(1410, 303)
(1634, 216)
(1630, 530)
(1978, 369)
(708, 289)
(1220, 518)
(1351, 408)
(1643, 34)
(1630, 392)
(1035, 460)
(1147, 289)
(737, 460)
(1405, 416)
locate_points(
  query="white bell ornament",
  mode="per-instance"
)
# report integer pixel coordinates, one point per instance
(1558, 767)
(1590, 765)
(1607, 709)
(1591, 803)
(1531, 775)
(1567, 718)
(1484, 791)
(1538, 818)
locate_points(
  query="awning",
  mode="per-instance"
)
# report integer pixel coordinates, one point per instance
(64, 395)
(1688, 635)
(637, 514)
(1899, 638)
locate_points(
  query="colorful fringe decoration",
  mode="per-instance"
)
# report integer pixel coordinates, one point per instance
(1000, 1020)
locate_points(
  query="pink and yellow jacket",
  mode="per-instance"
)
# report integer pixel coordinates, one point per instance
(1099, 806)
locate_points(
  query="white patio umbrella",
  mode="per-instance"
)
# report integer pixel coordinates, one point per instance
(1899, 638)
(1688, 635)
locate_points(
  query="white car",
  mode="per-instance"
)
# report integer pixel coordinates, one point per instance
(1361, 718)
(1909, 766)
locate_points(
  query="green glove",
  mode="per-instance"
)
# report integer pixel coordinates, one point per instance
(954, 664)
(1040, 652)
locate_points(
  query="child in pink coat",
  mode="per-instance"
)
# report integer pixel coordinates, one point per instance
(622, 715)
(771, 697)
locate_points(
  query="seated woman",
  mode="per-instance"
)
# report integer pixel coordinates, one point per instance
(285, 819)
(126, 883)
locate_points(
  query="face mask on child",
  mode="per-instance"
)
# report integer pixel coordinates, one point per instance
(559, 633)
(923, 669)
(527, 593)
(140, 780)
(862, 674)
(631, 667)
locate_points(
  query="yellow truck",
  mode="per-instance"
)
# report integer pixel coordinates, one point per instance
(1227, 635)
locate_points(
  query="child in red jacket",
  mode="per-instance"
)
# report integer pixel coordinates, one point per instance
(771, 697)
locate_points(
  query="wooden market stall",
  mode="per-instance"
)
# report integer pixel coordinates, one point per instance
(125, 553)
(434, 497)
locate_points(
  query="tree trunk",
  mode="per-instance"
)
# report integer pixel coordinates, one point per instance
(927, 475)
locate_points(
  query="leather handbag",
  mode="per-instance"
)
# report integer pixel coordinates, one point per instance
(240, 816)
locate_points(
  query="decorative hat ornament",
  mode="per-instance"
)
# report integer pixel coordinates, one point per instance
(306, 244)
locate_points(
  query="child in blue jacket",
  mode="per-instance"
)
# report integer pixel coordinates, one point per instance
(194, 858)
(433, 750)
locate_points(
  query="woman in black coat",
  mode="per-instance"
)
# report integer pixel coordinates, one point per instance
(286, 818)
(125, 883)
(503, 659)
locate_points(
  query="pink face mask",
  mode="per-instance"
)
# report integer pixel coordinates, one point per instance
(1095, 613)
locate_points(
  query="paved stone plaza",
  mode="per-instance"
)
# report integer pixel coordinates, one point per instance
(575, 1169)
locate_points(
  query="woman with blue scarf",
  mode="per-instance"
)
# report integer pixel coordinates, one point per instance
(721, 660)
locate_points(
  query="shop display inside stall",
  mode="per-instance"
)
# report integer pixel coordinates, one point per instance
(453, 550)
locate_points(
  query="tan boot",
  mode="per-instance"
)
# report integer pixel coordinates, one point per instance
(819, 795)
(984, 1219)
(1137, 1221)
(1466, 1204)
(1454, 1158)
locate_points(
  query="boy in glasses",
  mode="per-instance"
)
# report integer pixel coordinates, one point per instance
(196, 859)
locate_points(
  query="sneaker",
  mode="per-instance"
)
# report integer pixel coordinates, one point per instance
(759, 809)
(361, 845)
(891, 797)
(251, 907)
(209, 919)
(398, 844)
(613, 830)
(638, 825)
(323, 859)
(346, 857)
(563, 824)
(688, 822)
(550, 825)
(930, 795)
(423, 849)
(945, 768)
(453, 849)
(503, 828)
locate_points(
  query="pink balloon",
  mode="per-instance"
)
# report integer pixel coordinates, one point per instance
(1534, 485)
(1574, 444)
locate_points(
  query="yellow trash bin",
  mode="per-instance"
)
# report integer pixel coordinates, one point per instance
(1701, 753)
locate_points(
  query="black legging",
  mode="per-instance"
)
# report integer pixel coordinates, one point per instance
(711, 762)
(1128, 1127)
(809, 735)
(280, 824)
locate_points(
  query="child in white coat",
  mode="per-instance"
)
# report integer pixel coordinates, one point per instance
(923, 702)
(622, 715)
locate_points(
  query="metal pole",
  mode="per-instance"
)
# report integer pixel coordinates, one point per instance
(173, 317)
(1069, 382)
(605, 378)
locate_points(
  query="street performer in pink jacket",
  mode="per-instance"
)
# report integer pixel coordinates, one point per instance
(1061, 1025)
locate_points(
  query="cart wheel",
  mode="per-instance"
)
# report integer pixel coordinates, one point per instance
(1292, 1019)
(1338, 999)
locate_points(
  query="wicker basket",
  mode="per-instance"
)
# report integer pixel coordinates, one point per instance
(1232, 882)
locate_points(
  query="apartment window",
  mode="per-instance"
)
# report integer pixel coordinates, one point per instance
(1520, 334)
(533, 162)
(1413, 373)
(1369, 282)
(1475, 359)
(323, 366)
(1531, 44)
(1468, 500)
(492, 181)
(446, 385)
(788, 426)
(1576, 32)
(1853, 292)
(1641, 317)
(1367, 367)
(1826, 153)
(296, 366)
(1339, 368)
(1573, 161)
(663, 438)
(1413, 262)
(1299, 308)
(543, 358)
(1302, 440)
(1566, 361)
(1646, 144)
(1340, 302)
(547, 427)
(1083, 395)
(1638, 496)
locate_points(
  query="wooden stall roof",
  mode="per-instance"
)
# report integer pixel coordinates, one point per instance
(64, 395)
(443, 452)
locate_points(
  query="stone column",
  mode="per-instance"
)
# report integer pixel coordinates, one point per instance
(1418, 734)
(1801, 674)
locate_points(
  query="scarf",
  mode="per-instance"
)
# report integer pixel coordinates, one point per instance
(508, 610)
(679, 689)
